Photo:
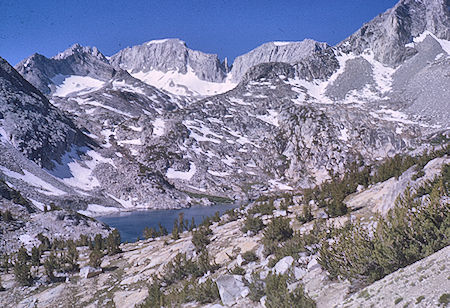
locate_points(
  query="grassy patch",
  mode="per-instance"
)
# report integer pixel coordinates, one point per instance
(215, 199)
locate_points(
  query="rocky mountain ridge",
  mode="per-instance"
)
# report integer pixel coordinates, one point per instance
(285, 126)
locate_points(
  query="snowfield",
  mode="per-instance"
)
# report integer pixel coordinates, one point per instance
(182, 175)
(66, 85)
(182, 84)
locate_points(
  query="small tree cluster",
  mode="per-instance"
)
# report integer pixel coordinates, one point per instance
(200, 238)
(263, 208)
(150, 232)
(278, 295)
(182, 267)
(7, 216)
(252, 224)
(189, 291)
(413, 229)
(277, 231)
(306, 215)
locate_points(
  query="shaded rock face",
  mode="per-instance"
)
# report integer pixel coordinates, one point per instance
(169, 55)
(30, 123)
(287, 52)
(387, 34)
(89, 272)
(77, 60)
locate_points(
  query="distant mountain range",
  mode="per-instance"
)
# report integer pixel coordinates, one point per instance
(162, 126)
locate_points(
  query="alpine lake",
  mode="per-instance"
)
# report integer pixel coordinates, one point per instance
(131, 224)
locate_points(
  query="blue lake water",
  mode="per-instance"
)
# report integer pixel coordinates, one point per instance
(132, 224)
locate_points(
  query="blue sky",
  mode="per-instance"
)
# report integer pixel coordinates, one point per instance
(227, 28)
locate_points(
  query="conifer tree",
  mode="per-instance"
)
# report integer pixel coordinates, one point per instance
(98, 242)
(35, 256)
(95, 258)
(22, 269)
(113, 242)
(162, 230)
(1, 285)
(175, 231)
(71, 257)
(192, 226)
(181, 225)
(50, 265)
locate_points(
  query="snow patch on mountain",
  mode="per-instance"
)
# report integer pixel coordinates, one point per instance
(96, 209)
(420, 38)
(31, 179)
(75, 172)
(156, 42)
(66, 85)
(271, 118)
(183, 84)
(158, 127)
(82, 101)
(281, 43)
(279, 185)
(182, 175)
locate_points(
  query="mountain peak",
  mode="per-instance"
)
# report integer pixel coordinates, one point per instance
(169, 55)
(388, 33)
(77, 49)
(287, 52)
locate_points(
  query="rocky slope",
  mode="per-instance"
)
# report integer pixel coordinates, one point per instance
(31, 124)
(126, 276)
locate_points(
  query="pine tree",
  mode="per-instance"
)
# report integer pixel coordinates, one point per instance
(95, 258)
(192, 226)
(149, 233)
(175, 232)
(307, 215)
(7, 216)
(71, 258)
(181, 225)
(50, 264)
(162, 230)
(6, 262)
(113, 242)
(22, 269)
(98, 242)
(35, 256)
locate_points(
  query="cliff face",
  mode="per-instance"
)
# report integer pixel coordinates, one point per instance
(169, 55)
(287, 52)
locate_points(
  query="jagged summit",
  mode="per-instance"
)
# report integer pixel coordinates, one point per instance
(77, 49)
(47, 74)
(388, 34)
